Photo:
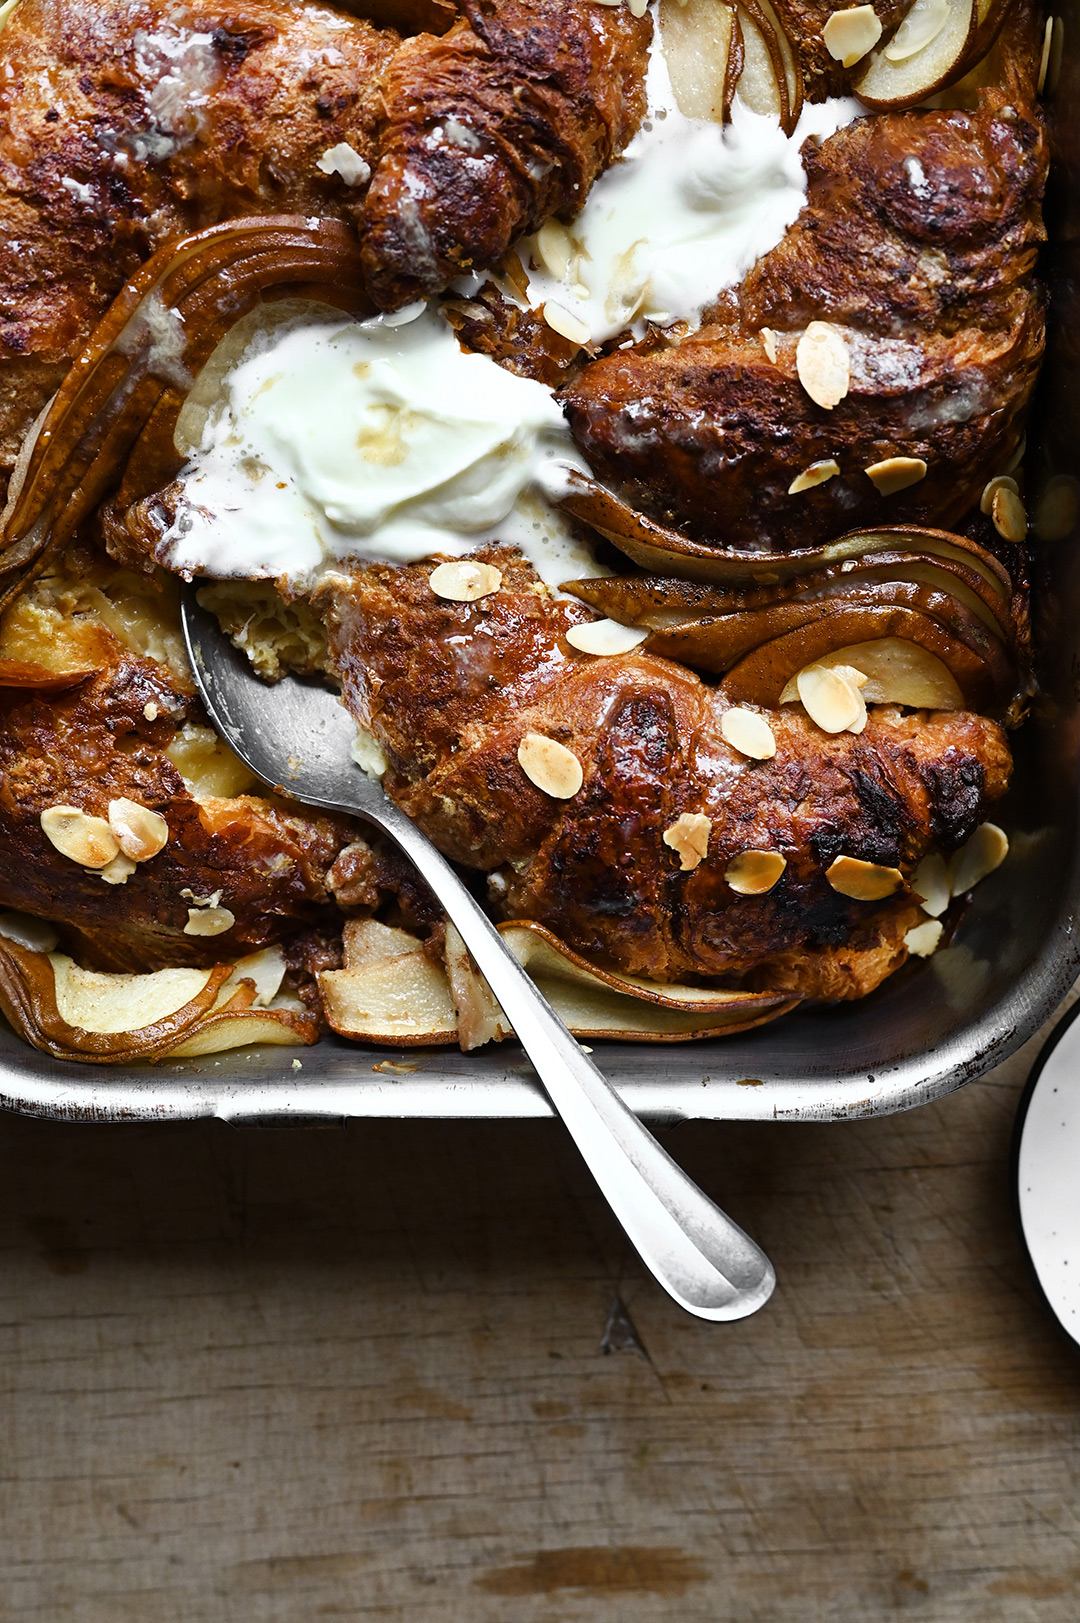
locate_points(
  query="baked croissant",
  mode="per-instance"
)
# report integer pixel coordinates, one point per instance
(915, 253)
(452, 689)
(126, 124)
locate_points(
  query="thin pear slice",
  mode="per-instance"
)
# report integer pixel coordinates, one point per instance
(696, 38)
(664, 551)
(762, 677)
(78, 1014)
(897, 672)
(405, 998)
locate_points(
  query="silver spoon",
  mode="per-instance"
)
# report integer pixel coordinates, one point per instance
(297, 736)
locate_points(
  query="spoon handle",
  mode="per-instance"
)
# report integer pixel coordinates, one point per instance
(701, 1257)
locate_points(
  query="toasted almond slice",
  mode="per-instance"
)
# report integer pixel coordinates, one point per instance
(209, 921)
(816, 474)
(140, 832)
(922, 939)
(568, 326)
(896, 473)
(753, 873)
(980, 855)
(863, 881)
(768, 343)
(749, 733)
(463, 581)
(554, 248)
(850, 35)
(821, 360)
(930, 881)
(920, 28)
(1055, 514)
(830, 696)
(1009, 515)
(89, 841)
(689, 836)
(550, 765)
(1002, 481)
(605, 638)
(116, 872)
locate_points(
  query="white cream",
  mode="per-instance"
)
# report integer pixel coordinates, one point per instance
(381, 441)
(684, 214)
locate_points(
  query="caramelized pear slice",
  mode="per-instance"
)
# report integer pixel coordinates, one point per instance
(762, 677)
(897, 672)
(391, 991)
(896, 77)
(79, 1014)
(664, 551)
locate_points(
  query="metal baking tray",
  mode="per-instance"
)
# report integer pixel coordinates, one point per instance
(931, 1028)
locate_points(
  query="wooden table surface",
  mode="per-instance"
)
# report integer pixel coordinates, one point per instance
(273, 1377)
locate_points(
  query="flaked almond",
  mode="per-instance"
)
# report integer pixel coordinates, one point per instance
(818, 473)
(753, 873)
(980, 855)
(550, 765)
(1009, 515)
(209, 921)
(1001, 481)
(821, 360)
(930, 882)
(768, 343)
(568, 326)
(554, 248)
(830, 696)
(749, 733)
(922, 939)
(689, 836)
(463, 581)
(605, 638)
(920, 28)
(116, 872)
(863, 881)
(896, 473)
(850, 35)
(89, 841)
(140, 832)
(1055, 514)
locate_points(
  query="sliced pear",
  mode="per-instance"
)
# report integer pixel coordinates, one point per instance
(764, 675)
(891, 82)
(762, 84)
(80, 1014)
(896, 671)
(408, 998)
(696, 38)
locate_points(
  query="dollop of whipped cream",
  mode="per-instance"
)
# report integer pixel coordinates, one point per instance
(682, 215)
(379, 441)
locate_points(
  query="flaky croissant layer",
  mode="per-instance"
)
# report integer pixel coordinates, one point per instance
(453, 689)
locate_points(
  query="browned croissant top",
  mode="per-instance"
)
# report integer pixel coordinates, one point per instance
(918, 240)
(451, 690)
(125, 124)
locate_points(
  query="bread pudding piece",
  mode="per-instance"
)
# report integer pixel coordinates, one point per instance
(896, 331)
(630, 859)
(126, 124)
(237, 868)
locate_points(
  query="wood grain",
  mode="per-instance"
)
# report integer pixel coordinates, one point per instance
(276, 1377)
